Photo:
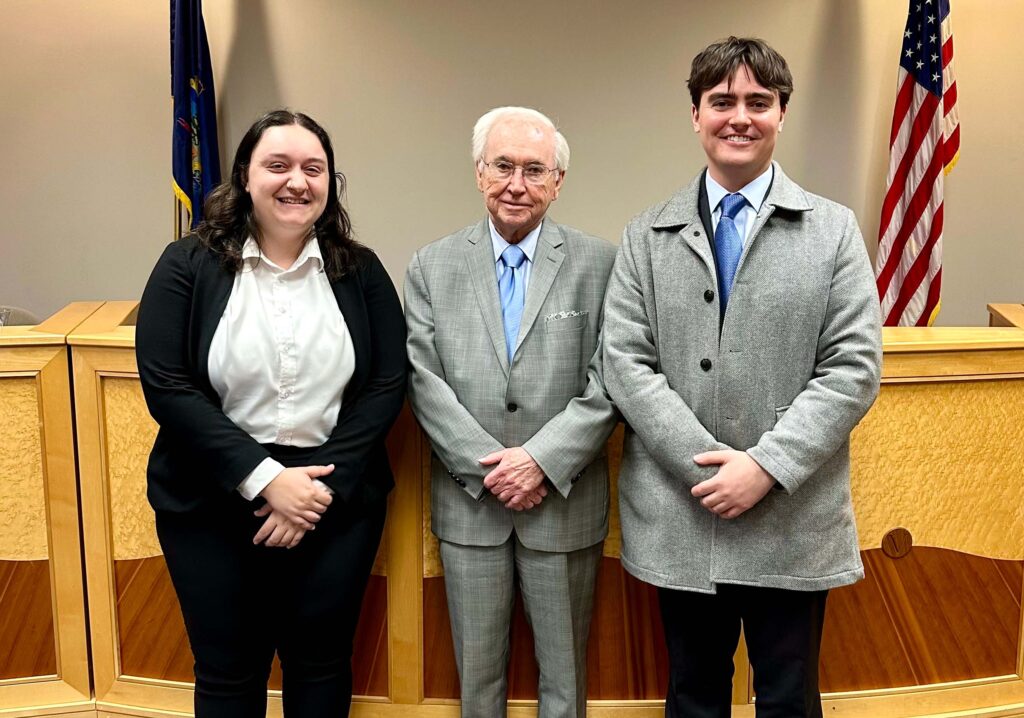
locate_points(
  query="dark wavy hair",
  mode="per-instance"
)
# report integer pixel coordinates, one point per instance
(228, 218)
(721, 60)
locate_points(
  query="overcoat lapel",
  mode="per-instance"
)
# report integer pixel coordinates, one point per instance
(480, 260)
(682, 213)
(546, 264)
(783, 194)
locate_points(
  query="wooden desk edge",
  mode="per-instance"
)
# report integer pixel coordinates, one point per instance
(1006, 315)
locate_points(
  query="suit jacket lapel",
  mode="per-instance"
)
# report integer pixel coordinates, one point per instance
(213, 289)
(349, 295)
(480, 261)
(546, 263)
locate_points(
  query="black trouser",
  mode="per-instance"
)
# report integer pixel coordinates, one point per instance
(242, 603)
(783, 635)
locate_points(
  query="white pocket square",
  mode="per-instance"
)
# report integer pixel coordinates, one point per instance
(563, 315)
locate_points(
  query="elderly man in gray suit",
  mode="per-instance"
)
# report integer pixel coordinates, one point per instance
(504, 318)
(742, 346)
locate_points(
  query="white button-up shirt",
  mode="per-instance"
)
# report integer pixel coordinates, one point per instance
(281, 355)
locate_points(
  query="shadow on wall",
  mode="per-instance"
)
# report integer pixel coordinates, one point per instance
(250, 84)
(830, 96)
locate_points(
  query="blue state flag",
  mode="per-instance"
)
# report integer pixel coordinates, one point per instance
(195, 159)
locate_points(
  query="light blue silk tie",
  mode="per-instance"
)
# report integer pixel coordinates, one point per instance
(512, 291)
(728, 244)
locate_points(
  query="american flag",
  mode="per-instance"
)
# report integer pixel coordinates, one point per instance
(923, 147)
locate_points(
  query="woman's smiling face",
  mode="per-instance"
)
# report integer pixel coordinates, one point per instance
(288, 181)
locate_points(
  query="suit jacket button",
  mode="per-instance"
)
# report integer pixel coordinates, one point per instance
(512, 406)
(461, 483)
(709, 296)
(705, 364)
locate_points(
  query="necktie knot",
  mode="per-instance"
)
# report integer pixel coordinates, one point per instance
(513, 256)
(732, 204)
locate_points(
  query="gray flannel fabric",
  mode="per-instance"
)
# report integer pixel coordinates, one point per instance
(796, 366)
(551, 400)
(557, 591)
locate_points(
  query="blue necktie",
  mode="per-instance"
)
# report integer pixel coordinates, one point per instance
(512, 291)
(728, 244)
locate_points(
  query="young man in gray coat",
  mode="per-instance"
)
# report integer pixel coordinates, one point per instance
(742, 346)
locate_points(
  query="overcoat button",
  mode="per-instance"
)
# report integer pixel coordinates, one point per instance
(512, 406)
(705, 364)
(709, 296)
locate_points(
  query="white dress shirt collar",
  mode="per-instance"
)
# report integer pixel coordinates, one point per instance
(251, 254)
(754, 192)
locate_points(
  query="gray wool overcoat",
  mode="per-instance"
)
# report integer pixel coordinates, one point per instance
(786, 374)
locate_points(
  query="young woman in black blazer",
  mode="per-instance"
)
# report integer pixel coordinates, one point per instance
(271, 349)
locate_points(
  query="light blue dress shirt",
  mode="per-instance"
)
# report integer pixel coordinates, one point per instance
(754, 193)
(528, 244)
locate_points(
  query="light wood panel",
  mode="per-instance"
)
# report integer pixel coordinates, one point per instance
(1006, 315)
(964, 441)
(43, 645)
(68, 319)
(403, 541)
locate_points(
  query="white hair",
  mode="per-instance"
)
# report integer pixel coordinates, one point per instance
(483, 126)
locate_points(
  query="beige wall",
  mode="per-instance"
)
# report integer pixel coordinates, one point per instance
(86, 119)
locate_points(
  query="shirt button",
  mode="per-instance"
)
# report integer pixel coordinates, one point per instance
(512, 406)
(705, 364)
(709, 296)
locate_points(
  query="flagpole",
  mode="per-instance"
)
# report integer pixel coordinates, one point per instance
(177, 219)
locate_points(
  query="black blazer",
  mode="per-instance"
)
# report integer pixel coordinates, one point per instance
(200, 455)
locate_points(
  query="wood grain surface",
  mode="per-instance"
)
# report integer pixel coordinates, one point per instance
(933, 616)
(27, 647)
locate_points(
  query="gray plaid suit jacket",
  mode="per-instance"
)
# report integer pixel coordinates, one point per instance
(551, 400)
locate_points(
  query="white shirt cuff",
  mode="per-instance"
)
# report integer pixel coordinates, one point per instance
(263, 474)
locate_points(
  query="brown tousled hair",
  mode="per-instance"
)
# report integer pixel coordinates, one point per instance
(721, 60)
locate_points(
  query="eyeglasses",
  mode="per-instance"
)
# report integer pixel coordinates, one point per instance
(533, 173)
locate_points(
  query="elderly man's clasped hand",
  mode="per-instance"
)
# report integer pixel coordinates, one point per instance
(517, 481)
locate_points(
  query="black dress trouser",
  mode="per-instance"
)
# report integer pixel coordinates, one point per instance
(782, 630)
(241, 603)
